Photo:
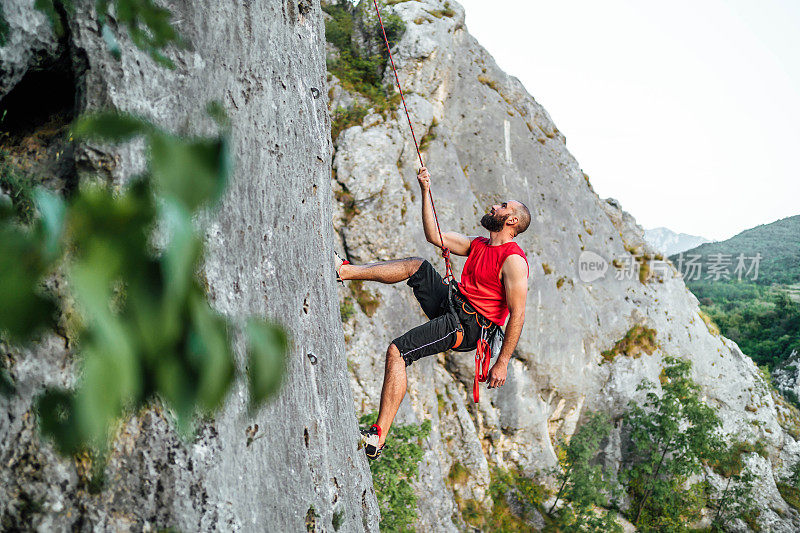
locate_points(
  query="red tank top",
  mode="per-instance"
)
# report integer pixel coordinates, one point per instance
(480, 280)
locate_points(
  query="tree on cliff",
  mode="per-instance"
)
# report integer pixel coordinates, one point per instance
(585, 485)
(673, 437)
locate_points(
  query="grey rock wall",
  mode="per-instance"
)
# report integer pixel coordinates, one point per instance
(269, 248)
(30, 42)
(494, 142)
(787, 377)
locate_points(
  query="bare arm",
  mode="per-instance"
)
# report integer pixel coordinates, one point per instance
(515, 281)
(457, 243)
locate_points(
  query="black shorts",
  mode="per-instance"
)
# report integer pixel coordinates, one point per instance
(440, 333)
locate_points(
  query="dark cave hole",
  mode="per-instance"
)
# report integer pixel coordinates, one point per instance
(35, 117)
(41, 98)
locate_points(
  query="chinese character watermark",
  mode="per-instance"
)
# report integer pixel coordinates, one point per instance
(718, 266)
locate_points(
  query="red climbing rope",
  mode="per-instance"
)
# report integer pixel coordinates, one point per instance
(445, 251)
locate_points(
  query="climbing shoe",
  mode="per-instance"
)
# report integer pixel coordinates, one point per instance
(370, 437)
(339, 263)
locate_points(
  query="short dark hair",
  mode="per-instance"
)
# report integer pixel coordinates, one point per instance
(524, 217)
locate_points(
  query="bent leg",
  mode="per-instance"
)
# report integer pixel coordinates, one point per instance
(394, 388)
(382, 271)
(437, 335)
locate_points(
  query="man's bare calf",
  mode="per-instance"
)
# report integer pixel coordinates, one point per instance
(394, 388)
(383, 271)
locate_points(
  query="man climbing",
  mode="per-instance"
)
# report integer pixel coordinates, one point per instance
(494, 286)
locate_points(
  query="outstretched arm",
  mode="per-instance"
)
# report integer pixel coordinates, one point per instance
(515, 281)
(457, 243)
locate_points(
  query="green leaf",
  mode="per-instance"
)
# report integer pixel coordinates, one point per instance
(161, 59)
(52, 210)
(155, 319)
(193, 172)
(6, 384)
(110, 126)
(110, 380)
(4, 29)
(208, 349)
(48, 8)
(182, 252)
(91, 279)
(24, 312)
(121, 222)
(217, 112)
(156, 19)
(58, 421)
(111, 41)
(266, 361)
(175, 385)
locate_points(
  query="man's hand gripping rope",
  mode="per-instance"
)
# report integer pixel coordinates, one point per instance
(424, 179)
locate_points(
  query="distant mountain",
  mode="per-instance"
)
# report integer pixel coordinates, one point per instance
(777, 245)
(669, 242)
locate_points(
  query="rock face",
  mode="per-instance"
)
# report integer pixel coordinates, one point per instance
(492, 142)
(30, 43)
(787, 376)
(265, 63)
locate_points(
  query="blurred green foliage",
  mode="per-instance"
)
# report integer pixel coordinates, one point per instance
(4, 29)
(146, 330)
(148, 24)
(24, 262)
(18, 186)
(394, 471)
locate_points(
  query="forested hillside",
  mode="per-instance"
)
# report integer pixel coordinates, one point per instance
(747, 285)
(767, 254)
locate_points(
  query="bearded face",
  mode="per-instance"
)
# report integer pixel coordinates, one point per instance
(494, 223)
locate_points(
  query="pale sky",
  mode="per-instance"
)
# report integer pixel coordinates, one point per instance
(686, 111)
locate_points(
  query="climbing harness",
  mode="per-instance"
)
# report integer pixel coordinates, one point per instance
(445, 251)
(483, 356)
(487, 348)
(483, 352)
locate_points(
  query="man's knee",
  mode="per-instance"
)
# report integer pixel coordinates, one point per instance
(393, 355)
(413, 265)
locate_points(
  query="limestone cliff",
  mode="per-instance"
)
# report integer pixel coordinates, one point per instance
(265, 63)
(486, 140)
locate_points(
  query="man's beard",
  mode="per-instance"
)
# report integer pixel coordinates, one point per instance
(494, 223)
